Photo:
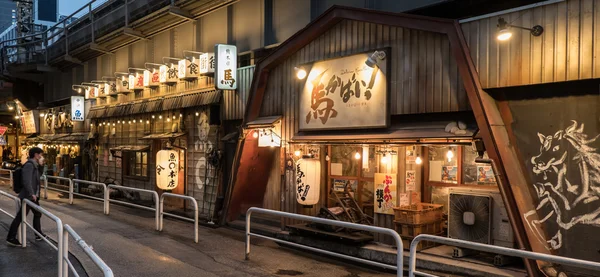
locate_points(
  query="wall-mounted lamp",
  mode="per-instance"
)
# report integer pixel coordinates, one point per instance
(418, 160)
(151, 66)
(85, 85)
(504, 32)
(300, 73)
(170, 60)
(106, 79)
(186, 54)
(375, 58)
(135, 70)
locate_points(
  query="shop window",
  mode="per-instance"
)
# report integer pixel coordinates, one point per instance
(476, 173)
(136, 164)
(443, 164)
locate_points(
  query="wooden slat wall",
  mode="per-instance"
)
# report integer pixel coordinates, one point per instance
(234, 102)
(567, 50)
(423, 75)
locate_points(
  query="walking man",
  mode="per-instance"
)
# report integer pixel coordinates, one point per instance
(31, 190)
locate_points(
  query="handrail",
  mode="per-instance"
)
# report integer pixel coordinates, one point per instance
(86, 249)
(70, 181)
(105, 192)
(59, 227)
(368, 228)
(491, 249)
(154, 193)
(10, 178)
(195, 220)
(17, 206)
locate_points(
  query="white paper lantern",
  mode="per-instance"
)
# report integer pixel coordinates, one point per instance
(136, 81)
(207, 63)
(168, 74)
(167, 169)
(308, 181)
(122, 84)
(151, 78)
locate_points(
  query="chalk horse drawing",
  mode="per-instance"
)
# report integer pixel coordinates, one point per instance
(571, 198)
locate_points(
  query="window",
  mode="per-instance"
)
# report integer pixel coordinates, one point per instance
(136, 164)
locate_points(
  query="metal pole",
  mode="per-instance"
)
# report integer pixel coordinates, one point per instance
(66, 38)
(157, 210)
(106, 201)
(71, 191)
(248, 216)
(46, 46)
(45, 187)
(126, 14)
(23, 224)
(65, 257)
(162, 199)
(195, 221)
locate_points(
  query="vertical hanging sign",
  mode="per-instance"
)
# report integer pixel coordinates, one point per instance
(226, 67)
(207, 63)
(77, 108)
(385, 193)
(167, 169)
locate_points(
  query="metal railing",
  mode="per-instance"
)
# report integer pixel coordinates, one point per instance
(491, 249)
(10, 175)
(86, 249)
(159, 201)
(153, 193)
(195, 219)
(17, 206)
(59, 227)
(367, 228)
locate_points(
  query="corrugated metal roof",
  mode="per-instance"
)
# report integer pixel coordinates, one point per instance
(130, 147)
(163, 136)
(96, 112)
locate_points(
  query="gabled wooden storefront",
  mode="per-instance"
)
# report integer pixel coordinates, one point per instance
(431, 78)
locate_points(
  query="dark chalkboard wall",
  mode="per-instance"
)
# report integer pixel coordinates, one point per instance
(560, 129)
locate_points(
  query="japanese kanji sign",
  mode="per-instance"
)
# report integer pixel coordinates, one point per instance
(385, 193)
(136, 81)
(168, 74)
(91, 92)
(151, 78)
(189, 68)
(122, 84)
(110, 87)
(344, 93)
(28, 124)
(167, 169)
(207, 63)
(226, 66)
(77, 108)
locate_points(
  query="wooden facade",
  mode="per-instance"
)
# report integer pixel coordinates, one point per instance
(568, 49)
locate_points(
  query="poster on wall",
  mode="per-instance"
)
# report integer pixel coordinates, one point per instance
(28, 123)
(226, 66)
(404, 200)
(2, 140)
(167, 169)
(449, 174)
(410, 180)
(485, 174)
(411, 155)
(385, 193)
(77, 108)
(344, 93)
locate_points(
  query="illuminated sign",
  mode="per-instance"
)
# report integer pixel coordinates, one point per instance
(226, 66)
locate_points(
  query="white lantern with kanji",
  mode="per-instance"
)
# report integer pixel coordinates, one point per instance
(308, 181)
(167, 169)
(168, 74)
(207, 63)
(151, 78)
(122, 84)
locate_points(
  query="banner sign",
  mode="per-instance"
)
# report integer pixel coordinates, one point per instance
(28, 123)
(344, 93)
(167, 169)
(226, 66)
(77, 108)
(385, 193)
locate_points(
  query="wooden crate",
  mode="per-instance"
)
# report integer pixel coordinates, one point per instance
(413, 230)
(422, 245)
(418, 213)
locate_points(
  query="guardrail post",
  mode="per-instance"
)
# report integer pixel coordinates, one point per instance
(45, 186)
(71, 191)
(195, 221)
(65, 257)
(10, 173)
(23, 223)
(106, 201)
(248, 216)
(160, 221)
(157, 211)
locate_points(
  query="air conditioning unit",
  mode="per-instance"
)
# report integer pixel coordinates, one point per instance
(478, 215)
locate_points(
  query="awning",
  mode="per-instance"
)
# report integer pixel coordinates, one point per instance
(52, 137)
(73, 137)
(110, 111)
(187, 100)
(97, 112)
(123, 109)
(130, 148)
(138, 107)
(163, 136)
(414, 130)
(153, 105)
(263, 122)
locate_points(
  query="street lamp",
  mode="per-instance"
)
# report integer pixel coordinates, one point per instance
(504, 32)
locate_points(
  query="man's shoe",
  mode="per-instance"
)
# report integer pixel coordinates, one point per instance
(13, 242)
(38, 238)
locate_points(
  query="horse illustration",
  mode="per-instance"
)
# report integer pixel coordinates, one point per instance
(560, 192)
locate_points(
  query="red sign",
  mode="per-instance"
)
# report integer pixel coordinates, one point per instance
(3, 130)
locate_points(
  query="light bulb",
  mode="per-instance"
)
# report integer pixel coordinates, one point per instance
(197, 114)
(384, 159)
(297, 153)
(504, 34)
(173, 116)
(180, 115)
(147, 121)
(300, 73)
(450, 155)
(42, 115)
(418, 160)
(153, 117)
(255, 134)
(160, 117)
(134, 121)
(357, 156)
(118, 121)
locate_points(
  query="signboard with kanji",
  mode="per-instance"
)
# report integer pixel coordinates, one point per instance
(167, 169)
(344, 93)
(168, 74)
(77, 108)
(189, 68)
(28, 123)
(385, 193)
(226, 67)
(207, 63)
(151, 78)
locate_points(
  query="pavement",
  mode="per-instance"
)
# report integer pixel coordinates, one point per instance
(127, 242)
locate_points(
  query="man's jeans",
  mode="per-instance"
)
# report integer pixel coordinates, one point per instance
(14, 226)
